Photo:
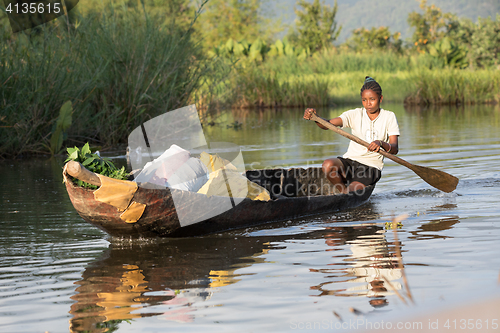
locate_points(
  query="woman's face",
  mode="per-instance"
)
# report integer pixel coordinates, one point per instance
(371, 101)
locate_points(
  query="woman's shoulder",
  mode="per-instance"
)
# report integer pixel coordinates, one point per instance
(354, 111)
(387, 112)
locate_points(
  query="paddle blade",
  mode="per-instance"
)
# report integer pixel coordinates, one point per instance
(439, 179)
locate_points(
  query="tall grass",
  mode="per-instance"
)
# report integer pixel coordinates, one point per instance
(336, 78)
(118, 69)
(335, 61)
(453, 86)
(253, 88)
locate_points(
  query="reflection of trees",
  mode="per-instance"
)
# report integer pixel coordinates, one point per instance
(371, 263)
(452, 123)
(159, 279)
(33, 198)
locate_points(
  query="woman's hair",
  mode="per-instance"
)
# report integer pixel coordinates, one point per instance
(371, 84)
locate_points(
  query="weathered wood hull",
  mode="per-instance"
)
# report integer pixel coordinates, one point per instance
(161, 217)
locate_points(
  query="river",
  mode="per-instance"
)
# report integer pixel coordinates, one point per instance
(60, 274)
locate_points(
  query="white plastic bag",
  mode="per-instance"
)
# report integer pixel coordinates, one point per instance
(175, 168)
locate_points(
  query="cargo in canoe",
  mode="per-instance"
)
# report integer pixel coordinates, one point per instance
(294, 192)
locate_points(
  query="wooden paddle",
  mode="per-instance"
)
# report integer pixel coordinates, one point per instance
(436, 178)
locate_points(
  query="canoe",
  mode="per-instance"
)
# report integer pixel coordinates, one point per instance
(294, 192)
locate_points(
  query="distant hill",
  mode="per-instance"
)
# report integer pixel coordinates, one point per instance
(353, 14)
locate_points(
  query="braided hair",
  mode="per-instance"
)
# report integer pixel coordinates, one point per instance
(371, 84)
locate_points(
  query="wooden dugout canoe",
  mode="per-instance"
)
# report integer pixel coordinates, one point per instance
(295, 193)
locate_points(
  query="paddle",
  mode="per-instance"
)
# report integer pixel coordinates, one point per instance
(436, 178)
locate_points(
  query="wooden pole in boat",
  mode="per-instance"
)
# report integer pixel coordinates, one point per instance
(436, 178)
(76, 170)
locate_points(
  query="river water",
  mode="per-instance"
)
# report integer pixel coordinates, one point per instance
(60, 274)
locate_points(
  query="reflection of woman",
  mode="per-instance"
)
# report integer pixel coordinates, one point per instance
(370, 264)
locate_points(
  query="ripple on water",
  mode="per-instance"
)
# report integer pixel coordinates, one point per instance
(57, 271)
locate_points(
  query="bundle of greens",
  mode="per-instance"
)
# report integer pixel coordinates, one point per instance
(95, 163)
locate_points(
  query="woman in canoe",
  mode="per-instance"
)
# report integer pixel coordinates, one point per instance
(360, 167)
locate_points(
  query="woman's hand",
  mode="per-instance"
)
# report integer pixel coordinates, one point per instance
(375, 146)
(308, 113)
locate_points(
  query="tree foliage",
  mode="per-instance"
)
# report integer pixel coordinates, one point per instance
(375, 39)
(481, 40)
(316, 27)
(258, 50)
(449, 52)
(430, 26)
(456, 42)
(233, 19)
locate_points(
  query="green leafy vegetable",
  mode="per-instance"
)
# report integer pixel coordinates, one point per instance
(94, 163)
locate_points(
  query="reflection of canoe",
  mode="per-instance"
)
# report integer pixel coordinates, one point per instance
(171, 280)
(160, 278)
(295, 193)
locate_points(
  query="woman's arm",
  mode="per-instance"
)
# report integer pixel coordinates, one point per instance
(335, 121)
(393, 145)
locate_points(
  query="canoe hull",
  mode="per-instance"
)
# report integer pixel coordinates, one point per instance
(161, 216)
(249, 212)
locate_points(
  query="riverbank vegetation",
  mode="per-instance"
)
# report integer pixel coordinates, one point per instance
(122, 63)
(118, 69)
(448, 60)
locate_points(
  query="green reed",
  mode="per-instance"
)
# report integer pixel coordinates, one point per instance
(452, 86)
(255, 88)
(118, 68)
(335, 77)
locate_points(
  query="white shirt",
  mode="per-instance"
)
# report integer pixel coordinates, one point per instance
(369, 130)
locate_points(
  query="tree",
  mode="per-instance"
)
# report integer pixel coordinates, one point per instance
(481, 40)
(430, 26)
(457, 42)
(485, 42)
(232, 19)
(316, 27)
(377, 38)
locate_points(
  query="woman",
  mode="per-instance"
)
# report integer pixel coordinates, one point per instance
(360, 167)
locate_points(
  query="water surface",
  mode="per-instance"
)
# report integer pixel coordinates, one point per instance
(60, 274)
